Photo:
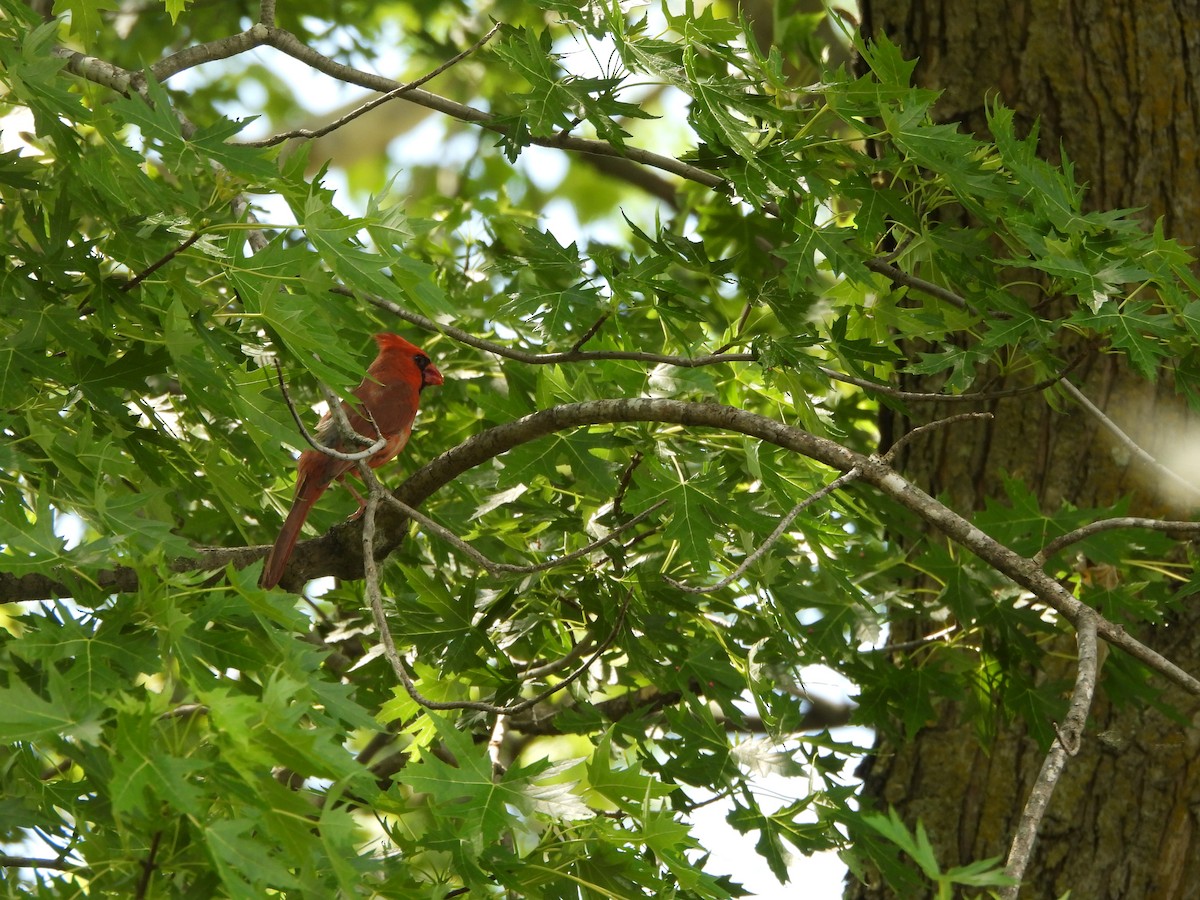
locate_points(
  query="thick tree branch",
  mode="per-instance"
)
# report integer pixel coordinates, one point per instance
(491, 443)
(333, 554)
(222, 48)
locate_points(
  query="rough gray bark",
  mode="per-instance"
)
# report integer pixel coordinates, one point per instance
(1114, 82)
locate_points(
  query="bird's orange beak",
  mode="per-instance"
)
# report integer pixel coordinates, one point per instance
(430, 375)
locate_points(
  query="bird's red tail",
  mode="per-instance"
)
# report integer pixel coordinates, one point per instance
(277, 559)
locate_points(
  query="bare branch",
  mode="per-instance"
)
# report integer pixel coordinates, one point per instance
(541, 670)
(625, 481)
(775, 535)
(1129, 443)
(266, 12)
(99, 71)
(222, 48)
(1066, 744)
(930, 426)
(1086, 531)
(374, 101)
(937, 637)
(589, 334)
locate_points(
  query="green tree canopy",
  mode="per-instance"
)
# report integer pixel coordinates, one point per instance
(651, 491)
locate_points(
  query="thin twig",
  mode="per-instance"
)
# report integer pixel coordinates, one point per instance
(266, 12)
(625, 481)
(916, 643)
(589, 334)
(900, 248)
(30, 862)
(1129, 443)
(899, 276)
(159, 263)
(1065, 745)
(775, 535)
(498, 568)
(718, 356)
(148, 867)
(375, 601)
(184, 711)
(1086, 531)
(375, 598)
(522, 356)
(373, 102)
(929, 426)
(288, 43)
(737, 332)
(339, 416)
(532, 672)
(933, 397)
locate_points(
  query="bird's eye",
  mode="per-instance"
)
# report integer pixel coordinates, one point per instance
(421, 360)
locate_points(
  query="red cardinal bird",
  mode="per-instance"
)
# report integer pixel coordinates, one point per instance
(390, 393)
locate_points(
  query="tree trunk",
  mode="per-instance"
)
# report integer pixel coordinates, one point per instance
(1114, 83)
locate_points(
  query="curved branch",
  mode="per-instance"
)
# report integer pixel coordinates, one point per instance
(784, 524)
(334, 553)
(1129, 443)
(930, 426)
(222, 48)
(288, 43)
(1086, 531)
(1065, 745)
(374, 101)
